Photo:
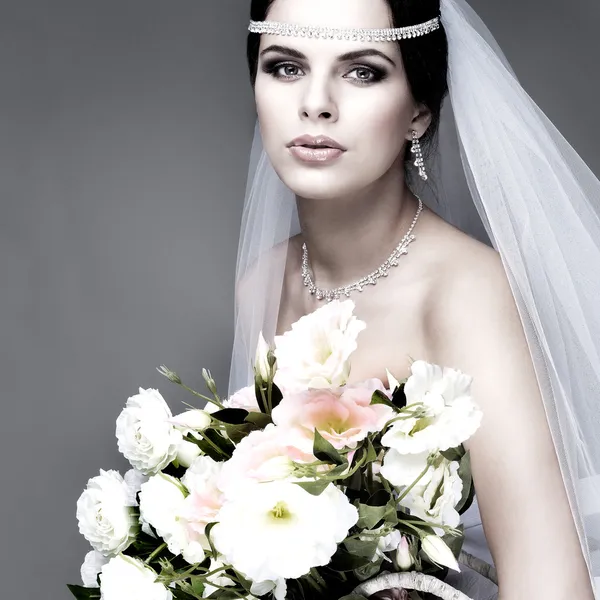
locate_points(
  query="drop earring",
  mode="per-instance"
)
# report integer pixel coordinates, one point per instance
(416, 149)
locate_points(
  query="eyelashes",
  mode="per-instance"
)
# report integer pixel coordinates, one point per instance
(366, 75)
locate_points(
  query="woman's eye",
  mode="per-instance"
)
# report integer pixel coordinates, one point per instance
(284, 70)
(365, 75)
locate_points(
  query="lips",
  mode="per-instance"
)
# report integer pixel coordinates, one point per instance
(316, 142)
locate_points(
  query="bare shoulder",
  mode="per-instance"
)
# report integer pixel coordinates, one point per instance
(470, 291)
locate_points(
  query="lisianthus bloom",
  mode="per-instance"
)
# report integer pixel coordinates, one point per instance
(144, 433)
(437, 492)
(105, 513)
(262, 456)
(344, 416)
(162, 504)
(315, 352)
(450, 415)
(278, 530)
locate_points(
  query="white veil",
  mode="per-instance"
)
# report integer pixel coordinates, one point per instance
(540, 206)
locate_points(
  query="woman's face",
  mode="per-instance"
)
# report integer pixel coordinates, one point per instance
(353, 92)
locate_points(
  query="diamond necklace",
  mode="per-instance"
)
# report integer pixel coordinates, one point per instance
(371, 279)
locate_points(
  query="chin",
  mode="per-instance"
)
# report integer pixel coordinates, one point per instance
(320, 185)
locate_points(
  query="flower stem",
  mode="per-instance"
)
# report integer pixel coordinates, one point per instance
(155, 553)
(412, 485)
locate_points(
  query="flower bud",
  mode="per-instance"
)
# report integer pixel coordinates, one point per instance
(210, 382)
(404, 558)
(187, 453)
(170, 375)
(439, 552)
(261, 359)
(196, 420)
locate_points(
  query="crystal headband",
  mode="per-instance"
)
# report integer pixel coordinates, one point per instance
(329, 33)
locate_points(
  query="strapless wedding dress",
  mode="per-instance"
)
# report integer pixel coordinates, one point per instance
(468, 581)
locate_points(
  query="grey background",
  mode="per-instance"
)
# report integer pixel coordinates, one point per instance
(125, 127)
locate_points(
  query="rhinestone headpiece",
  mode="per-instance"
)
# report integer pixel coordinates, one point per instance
(354, 35)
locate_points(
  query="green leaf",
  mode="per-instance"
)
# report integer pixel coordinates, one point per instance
(361, 547)
(343, 561)
(207, 531)
(276, 396)
(261, 420)
(468, 494)
(179, 594)
(369, 516)
(315, 488)
(232, 416)
(237, 433)
(368, 571)
(83, 593)
(454, 453)
(379, 397)
(353, 597)
(324, 451)
(399, 397)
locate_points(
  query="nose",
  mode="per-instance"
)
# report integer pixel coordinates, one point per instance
(317, 103)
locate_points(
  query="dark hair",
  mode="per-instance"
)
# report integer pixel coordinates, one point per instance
(425, 59)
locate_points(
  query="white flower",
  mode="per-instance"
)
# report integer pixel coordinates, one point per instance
(92, 565)
(254, 529)
(450, 415)
(126, 578)
(278, 588)
(261, 360)
(218, 579)
(403, 469)
(162, 504)
(134, 480)
(437, 550)
(436, 495)
(105, 515)
(386, 543)
(315, 352)
(145, 436)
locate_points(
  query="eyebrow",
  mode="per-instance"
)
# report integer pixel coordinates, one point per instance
(353, 55)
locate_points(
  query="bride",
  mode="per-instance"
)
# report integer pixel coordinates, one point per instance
(345, 136)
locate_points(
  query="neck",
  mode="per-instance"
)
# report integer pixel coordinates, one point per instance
(348, 237)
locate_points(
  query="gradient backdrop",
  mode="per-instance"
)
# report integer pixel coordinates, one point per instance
(125, 127)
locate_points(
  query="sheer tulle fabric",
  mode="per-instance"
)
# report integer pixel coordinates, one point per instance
(539, 205)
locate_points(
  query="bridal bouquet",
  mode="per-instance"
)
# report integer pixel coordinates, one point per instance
(299, 486)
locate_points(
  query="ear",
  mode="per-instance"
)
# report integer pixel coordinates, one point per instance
(420, 122)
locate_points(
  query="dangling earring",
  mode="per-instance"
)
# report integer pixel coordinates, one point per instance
(416, 149)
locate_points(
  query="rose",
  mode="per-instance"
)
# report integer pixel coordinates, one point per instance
(448, 416)
(343, 416)
(105, 515)
(315, 352)
(127, 577)
(92, 565)
(262, 456)
(145, 436)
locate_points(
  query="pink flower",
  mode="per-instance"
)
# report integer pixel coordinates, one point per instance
(262, 456)
(205, 499)
(344, 416)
